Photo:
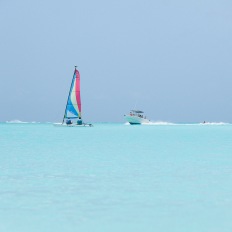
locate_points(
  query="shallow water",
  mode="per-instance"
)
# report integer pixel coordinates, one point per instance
(115, 177)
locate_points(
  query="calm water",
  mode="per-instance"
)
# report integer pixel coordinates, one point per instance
(115, 178)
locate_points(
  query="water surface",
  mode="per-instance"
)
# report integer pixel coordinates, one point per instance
(115, 177)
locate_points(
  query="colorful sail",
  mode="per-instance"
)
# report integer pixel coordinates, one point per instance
(73, 107)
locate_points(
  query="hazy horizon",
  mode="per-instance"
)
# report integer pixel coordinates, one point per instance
(170, 59)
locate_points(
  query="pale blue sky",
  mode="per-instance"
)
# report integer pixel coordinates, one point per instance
(172, 59)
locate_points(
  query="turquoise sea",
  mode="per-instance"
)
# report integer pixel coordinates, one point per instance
(115, 178)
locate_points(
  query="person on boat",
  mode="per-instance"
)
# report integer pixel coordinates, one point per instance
(79, 121)
(68, 121)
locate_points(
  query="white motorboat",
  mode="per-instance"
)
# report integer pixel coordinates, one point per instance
(136, 117)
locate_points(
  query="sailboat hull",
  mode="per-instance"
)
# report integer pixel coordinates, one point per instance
(73, 125)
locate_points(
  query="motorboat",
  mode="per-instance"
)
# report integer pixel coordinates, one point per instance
(136, 117)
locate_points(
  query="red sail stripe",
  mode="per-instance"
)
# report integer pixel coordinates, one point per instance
(78, 94)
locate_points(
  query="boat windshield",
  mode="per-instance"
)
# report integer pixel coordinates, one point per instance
(137, 113)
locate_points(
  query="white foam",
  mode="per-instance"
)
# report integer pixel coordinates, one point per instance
(18, 121)
(158, 123)
(163, 123)
(15, 121)
(214, 123)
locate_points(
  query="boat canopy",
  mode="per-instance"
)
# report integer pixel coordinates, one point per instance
(137, 111)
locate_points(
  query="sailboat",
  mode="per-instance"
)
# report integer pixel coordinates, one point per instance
(72, 115)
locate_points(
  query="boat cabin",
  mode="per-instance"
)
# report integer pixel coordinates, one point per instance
(137, 113)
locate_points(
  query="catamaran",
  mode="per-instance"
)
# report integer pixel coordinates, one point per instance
(72, 115)
(136, 117)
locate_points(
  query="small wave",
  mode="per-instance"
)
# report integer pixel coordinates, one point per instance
(15, 121)
(19, 122)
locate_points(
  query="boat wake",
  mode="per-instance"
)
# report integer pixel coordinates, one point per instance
(163, 123)
(214, 123)
(158, 123)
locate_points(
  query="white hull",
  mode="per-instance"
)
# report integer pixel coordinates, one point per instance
(136, 120)
(72, 125)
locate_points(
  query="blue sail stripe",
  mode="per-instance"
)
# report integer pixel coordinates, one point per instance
(71, 109)
(70, 106)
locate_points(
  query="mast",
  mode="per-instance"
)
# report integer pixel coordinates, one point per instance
(69, 94)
